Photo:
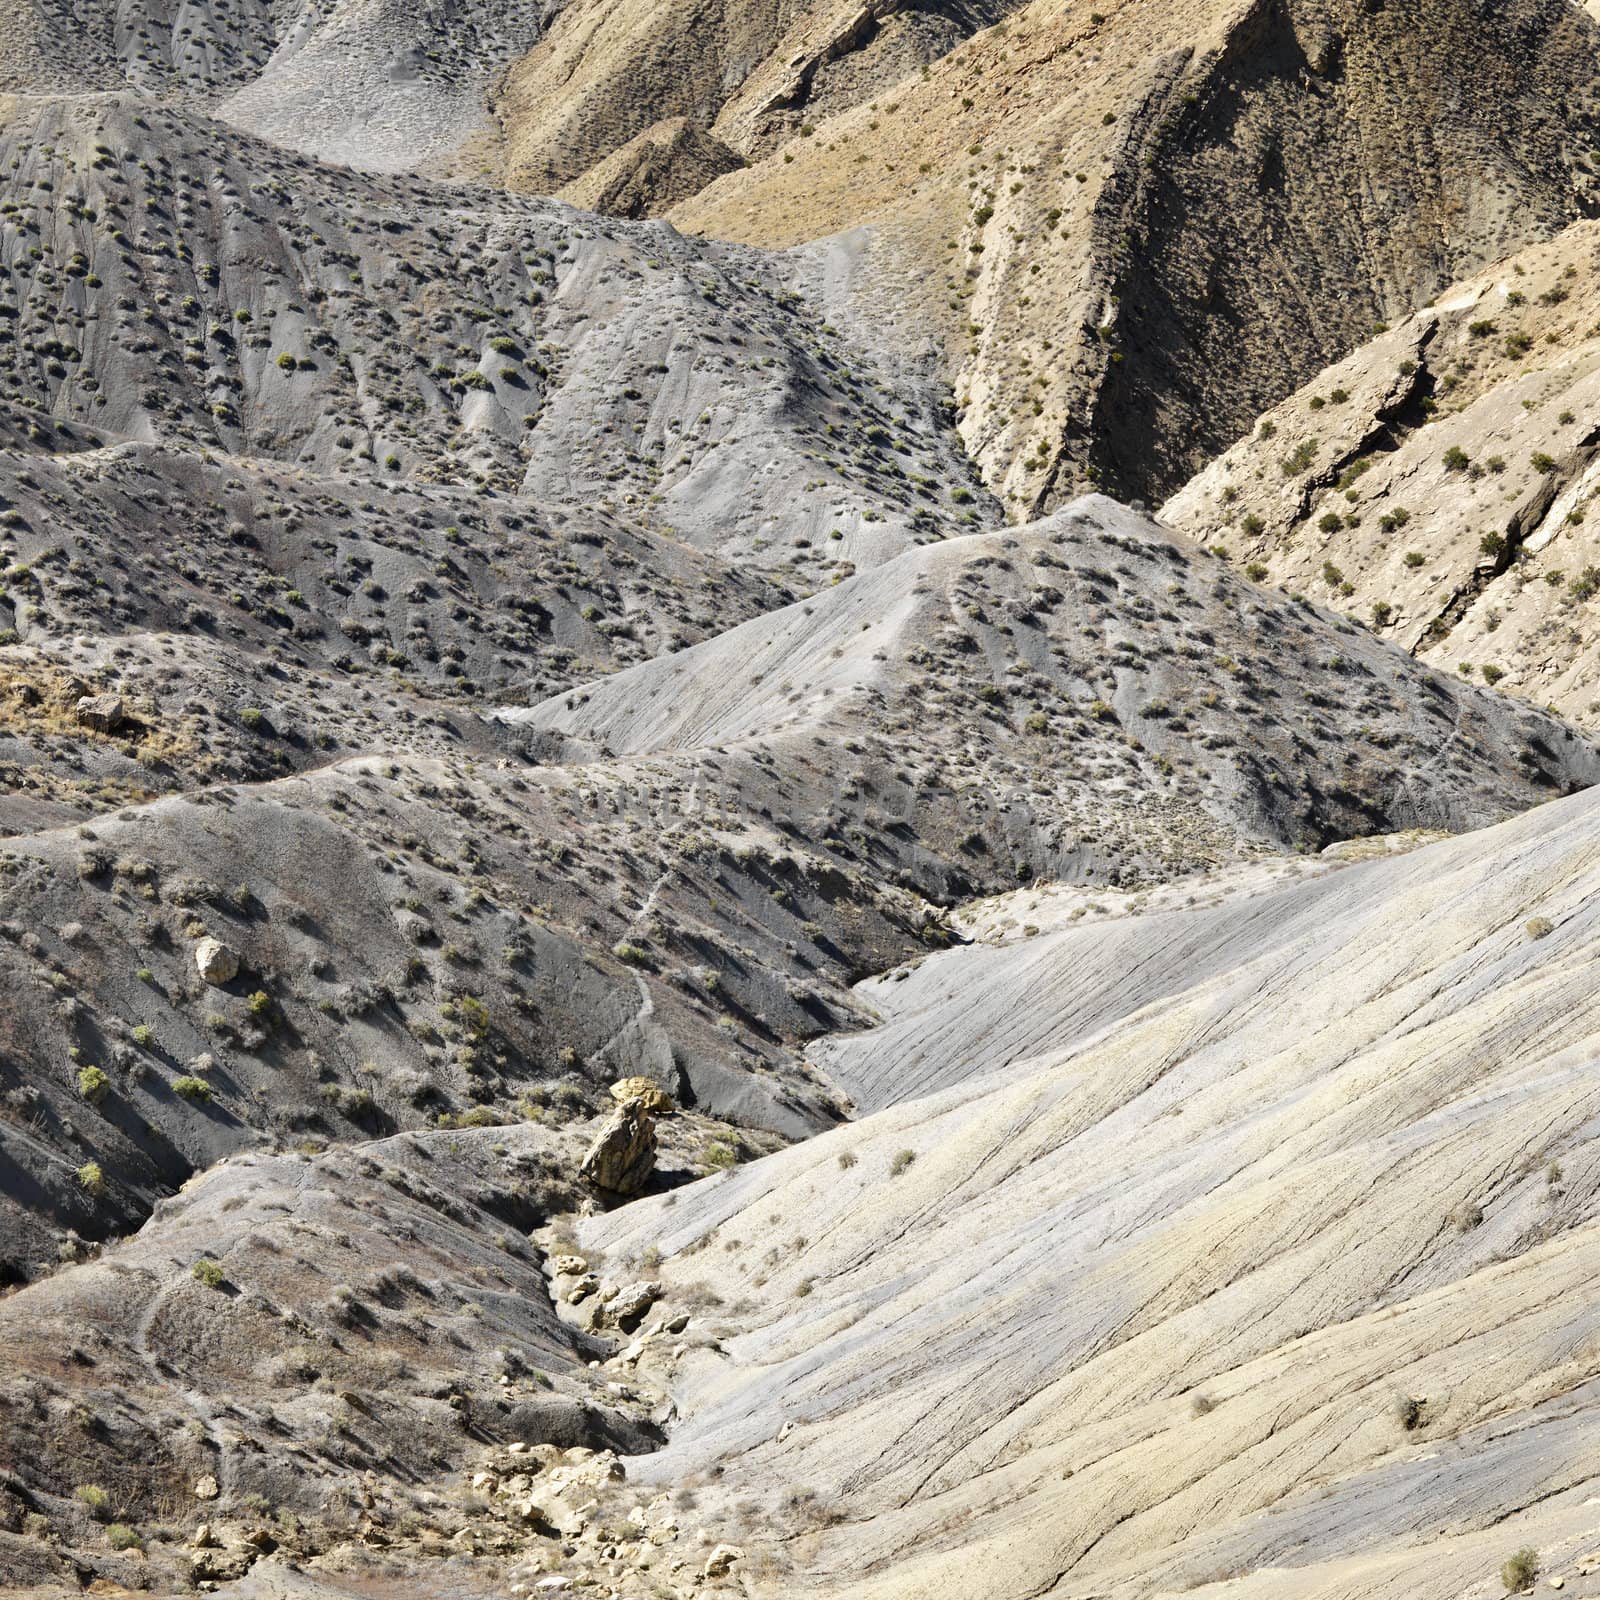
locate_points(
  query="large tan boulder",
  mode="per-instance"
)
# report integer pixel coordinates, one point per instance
(623, 1154)
(644, 1092)
(215, 962)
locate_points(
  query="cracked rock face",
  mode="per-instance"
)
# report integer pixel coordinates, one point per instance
(1439, 483)
(623, 1154)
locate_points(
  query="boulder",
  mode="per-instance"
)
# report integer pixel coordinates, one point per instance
(623, 1154)
(644, 1092)
(720, 1562)
(215, 962)
(627, 1309)
(105, 713)
(547, 1508)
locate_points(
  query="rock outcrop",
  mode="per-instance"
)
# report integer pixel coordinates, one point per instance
(1103, 216)
(105, 713)
(623, 1155)
(650, 174)
(1440, 483)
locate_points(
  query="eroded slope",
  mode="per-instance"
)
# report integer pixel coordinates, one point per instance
(1439, 481)
(1276, 1280)
(164, 279)
(1136, 226)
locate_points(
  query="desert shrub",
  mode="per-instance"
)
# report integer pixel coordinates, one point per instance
(93, 1084)
(902, 1162)
(95, 1498)
(719, 1154)
(1519, 1571)
(208, 1272)
(192, 1088)
(1538, 927)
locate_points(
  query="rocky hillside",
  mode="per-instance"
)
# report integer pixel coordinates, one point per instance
(1271, 1288)
(166, 280)
(751, 76)
(1103, 215)
(640, 956)
(1118, 707)
(679, 869)
(1439, 482)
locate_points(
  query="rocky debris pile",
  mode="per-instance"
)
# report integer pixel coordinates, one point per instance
(622, 1306)
(575, 1502)
(623, 1155)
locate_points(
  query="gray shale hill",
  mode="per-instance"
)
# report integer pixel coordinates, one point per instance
(459, 651)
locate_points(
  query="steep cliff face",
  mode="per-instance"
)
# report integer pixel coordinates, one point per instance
(1135, 229)
(1334, 165)
(752, 74)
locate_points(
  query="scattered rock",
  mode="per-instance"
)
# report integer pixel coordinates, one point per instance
(720, 1562)
(206, 1488)
(105, 713)
(629, 1305)
(215, 962)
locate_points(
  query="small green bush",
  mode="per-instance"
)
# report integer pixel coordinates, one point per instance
(902, 1162)
(93, 1084)
(208, 1272)
(192, 1088)
(95, 1498)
